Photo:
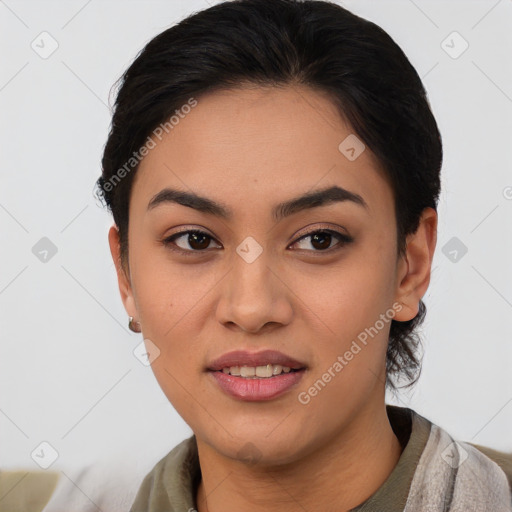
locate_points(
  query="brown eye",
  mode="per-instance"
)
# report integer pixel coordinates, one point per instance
(191, 241)
(198, 241)
(321, 240)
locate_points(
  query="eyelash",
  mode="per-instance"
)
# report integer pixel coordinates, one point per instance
(343, 241)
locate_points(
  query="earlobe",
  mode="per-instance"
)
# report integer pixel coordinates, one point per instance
(125, 288)
(413, 277)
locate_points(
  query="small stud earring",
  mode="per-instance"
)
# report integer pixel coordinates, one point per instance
(133, 325)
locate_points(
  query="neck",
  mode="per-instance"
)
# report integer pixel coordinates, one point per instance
(338, 476)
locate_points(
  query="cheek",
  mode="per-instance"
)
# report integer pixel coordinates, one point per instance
(169, 295)
(351, 296)
(169, 303)
(351, 302)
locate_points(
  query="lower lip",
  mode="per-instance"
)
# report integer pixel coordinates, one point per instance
(254, 390)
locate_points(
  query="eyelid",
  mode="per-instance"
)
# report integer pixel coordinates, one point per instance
(308, 230)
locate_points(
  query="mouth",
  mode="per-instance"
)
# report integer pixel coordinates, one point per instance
(256, 376)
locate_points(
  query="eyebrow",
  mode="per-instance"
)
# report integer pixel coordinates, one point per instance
(280, 211)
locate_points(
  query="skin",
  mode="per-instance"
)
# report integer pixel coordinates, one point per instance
(251, 148)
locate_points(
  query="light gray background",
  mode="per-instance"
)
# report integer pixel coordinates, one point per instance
(67, 372)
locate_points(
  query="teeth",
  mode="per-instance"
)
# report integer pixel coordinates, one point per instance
(247, 371)
(266, 371)
(277, 369)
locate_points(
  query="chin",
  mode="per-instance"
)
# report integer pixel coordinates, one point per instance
(260, 448)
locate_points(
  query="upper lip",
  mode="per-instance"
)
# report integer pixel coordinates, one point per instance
(246, 358)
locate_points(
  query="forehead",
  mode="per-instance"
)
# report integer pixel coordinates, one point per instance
(260, 145)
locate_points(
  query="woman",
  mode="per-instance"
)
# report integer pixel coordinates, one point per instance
(273, 170)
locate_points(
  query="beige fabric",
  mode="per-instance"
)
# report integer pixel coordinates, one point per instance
(504, 460)
(455, 476)
(26, 491)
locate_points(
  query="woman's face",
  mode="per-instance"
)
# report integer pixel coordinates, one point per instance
(258, 278)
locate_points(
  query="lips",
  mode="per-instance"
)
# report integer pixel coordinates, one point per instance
(262, 358)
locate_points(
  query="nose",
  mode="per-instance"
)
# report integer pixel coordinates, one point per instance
(254, 297)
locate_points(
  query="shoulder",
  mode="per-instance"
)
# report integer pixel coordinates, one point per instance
(503, 459)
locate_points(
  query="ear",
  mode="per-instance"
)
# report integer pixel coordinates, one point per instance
(413, 271)
(123, 280)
